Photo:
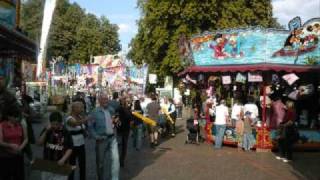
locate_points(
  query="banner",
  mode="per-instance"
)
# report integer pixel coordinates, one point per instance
(226, 79)
(254, 77)
(290, 78)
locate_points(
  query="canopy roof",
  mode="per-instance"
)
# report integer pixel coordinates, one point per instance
(251, 67)
(15, 44)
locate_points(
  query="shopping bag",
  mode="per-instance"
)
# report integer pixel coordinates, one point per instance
(50, 170)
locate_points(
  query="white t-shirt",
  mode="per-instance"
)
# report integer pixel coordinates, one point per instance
(236, 110)
(78, 139)
(221, 115)
(253, 108)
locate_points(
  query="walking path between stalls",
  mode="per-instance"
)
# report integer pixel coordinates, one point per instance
(175, 160)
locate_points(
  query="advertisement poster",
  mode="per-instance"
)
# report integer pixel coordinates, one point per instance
(259, 45)
(152, 78)
(8, 13)
(137, 77)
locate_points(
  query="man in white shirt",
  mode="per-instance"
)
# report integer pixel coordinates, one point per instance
(252, 108)
(237, 112)
(222, 116)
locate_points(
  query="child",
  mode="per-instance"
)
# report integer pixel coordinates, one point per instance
(239, 132)
(56, 140)
(248, 139)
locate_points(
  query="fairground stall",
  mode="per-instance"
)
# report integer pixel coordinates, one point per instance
(234, 64)
(14, 45)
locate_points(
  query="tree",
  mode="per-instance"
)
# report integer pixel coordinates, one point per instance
(88, 41)
(74, 35)
(163, 22)
(64, 27)
(110, 36)
(31, 18)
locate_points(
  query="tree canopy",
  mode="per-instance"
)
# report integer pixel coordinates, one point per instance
(74, 35)
(163, 22)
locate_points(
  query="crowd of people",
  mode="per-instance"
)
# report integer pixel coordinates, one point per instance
(244, 118)
(109, 123)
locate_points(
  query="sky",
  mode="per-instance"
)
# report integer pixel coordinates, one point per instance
(125, 14)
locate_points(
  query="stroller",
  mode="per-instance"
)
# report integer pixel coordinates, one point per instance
(194, 129)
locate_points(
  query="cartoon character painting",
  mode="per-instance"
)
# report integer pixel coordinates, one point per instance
(301, 40)
(219, 47)
(226, 46)
(233, 46)
(258, 45)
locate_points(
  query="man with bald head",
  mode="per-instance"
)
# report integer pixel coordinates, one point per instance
(102, 127)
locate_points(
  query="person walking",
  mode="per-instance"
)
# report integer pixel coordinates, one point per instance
(138, 126)
(173, 114)
(125, 117)
(222, 116)
(75, 124)
(102, 127)
(153, 110)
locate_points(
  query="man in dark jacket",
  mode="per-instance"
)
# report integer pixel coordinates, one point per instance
(125, 116)
(114, 103)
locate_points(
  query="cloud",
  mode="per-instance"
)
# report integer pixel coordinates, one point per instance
(285, 10)
(124, 28)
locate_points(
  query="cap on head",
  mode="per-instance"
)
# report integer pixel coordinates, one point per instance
(247, 113)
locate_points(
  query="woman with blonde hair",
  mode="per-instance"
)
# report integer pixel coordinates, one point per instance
(288, 133)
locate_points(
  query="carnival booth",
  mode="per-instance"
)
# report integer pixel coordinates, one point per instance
(234, 64)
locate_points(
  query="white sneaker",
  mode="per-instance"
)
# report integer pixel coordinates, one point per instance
(285, 160)
(279, 158)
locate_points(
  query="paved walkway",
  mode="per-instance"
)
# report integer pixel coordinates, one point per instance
(175, 160)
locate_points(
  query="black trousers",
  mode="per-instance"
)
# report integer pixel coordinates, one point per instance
(285, 148)
(12, 168)
(124, 146)
(80, 154)
(172, 127)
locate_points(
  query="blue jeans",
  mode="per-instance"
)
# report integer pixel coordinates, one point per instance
(248, 141)
(220, 129)
(107, 159)
(137, 136)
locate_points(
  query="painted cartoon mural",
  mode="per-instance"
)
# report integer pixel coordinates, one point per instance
(258, 45)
